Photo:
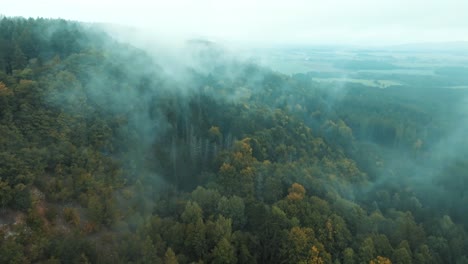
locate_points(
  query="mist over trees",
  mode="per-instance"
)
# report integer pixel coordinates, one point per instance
(108, 157)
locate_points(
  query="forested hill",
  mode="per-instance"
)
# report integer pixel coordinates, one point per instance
(106, 157)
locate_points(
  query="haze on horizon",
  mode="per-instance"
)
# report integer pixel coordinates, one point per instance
(367, 22)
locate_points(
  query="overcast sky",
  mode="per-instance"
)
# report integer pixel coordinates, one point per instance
(270, 21)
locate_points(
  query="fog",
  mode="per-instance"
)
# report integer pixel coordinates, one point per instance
(270, 22)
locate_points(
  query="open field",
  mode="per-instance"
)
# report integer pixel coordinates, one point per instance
(382, 68)
(371, 83)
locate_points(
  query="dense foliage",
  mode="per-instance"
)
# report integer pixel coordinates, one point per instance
(107, 158)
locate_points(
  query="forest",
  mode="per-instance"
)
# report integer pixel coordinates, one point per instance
(107, 157)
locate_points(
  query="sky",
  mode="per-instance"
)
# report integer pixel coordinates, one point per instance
(270, 21)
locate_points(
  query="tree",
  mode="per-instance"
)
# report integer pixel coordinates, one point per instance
(423, 255)
(296, 192)
(409, 230)
(338, 235)
(22, 199)
(95, 209)
(237, 174)
(228, 178)
(297, 246)
(192, 213)
(382, 245)
(367, 250)
(170, 257)
(224, 253)
(233, 208)
(207, 199)
(5, 194)
(349, 256)
(218, 229)
(401, 255)
(272, 188)
(11, 251)
(195, 240)
(216, 135)
(71, 216)
(314, 256)
(148, 251)
(19, 59)
(380, 260)
(4, 90)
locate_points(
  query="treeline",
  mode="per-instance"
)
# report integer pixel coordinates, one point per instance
(105, 159)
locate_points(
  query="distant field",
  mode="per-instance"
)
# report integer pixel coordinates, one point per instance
(299, 66)
(379, 61)
(366, 82)
(458, 87)
(375, 68)
(411, 71)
